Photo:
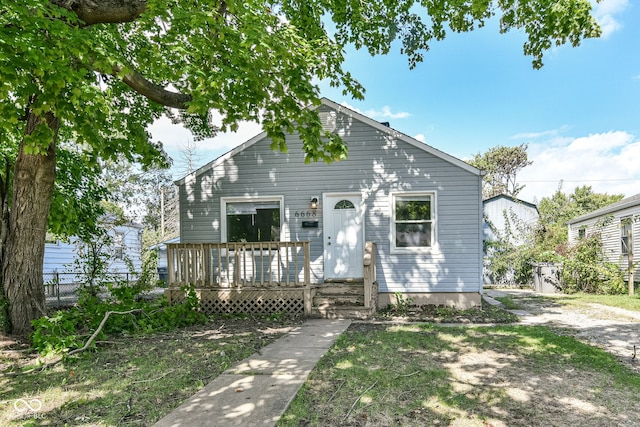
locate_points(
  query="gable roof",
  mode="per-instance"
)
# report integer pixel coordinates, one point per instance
(513, 199)
(381, 127)
(629, 202)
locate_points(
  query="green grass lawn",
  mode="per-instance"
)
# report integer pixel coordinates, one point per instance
(376, 375)
(381, 375)
(576, 300)
(509, 303)
(620, 301)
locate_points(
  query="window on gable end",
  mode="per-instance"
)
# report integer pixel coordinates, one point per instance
(582, 233)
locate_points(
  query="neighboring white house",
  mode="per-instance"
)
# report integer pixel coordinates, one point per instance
(125, 251)
(506, 216)
(613, 222)
(420, 206)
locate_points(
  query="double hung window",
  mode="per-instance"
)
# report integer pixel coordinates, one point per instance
(625, 229)
(413, 221)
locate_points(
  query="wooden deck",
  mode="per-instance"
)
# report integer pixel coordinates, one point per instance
(260, 277)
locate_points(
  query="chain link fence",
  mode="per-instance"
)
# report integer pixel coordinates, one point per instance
(61, 289)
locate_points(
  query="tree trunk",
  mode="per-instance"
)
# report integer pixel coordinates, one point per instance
(22, 267)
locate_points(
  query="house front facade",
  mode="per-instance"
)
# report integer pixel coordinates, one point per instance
(421, 208)
(619, 228)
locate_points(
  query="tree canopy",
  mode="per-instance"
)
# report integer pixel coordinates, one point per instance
(501, 165)
(559, 208)
(95, 74)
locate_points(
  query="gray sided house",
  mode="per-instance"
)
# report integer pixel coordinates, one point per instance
(614, 223)
(414, 211)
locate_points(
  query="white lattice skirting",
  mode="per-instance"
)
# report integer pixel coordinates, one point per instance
(245, 300)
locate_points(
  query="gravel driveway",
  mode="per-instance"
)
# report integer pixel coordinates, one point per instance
(613, 329)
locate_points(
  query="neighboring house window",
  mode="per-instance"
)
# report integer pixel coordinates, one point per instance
(118, 248)
(625, 228)
(413, 219)
(582, 233)
(252, 220)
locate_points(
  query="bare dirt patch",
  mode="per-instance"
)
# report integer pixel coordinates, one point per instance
(614, 330)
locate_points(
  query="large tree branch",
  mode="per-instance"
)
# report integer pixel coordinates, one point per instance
(116, 11)
(152, 91)
(104, 11)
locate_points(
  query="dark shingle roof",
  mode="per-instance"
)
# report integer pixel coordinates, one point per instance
(614, 207)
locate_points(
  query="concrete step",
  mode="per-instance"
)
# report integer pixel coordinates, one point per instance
(341, 312)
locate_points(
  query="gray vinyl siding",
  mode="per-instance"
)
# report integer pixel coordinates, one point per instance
(611, 235)
(377, 165)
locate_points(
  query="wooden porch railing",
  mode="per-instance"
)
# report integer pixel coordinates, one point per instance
(233, 265)
(370, 283)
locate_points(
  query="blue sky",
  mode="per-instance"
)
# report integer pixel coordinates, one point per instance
(580, 114)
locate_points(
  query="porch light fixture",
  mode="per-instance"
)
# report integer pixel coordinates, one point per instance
(314, 203)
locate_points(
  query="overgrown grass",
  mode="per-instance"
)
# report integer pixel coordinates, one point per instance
(132, 380)
(430, 375)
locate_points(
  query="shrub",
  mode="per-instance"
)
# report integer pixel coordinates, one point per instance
(586, 269)
(68, 329)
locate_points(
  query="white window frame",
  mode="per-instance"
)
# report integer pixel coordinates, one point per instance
(625, 222)
(392, 222)
(118, 245)
(226, 200)
(582, 233)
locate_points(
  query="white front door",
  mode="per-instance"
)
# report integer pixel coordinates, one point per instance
(343, 236)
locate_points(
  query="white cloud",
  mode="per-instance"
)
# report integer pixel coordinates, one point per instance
(605, 13)
(542, 134)
(600, 143)
(175, 136)
(385, 113)
(605, 161)
(420, 137)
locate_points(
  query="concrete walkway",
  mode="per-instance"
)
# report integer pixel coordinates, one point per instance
(257, 391)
